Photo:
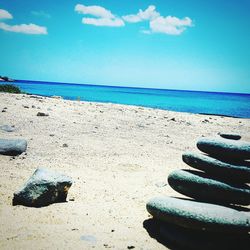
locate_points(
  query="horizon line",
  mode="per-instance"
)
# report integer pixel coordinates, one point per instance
(134, 87)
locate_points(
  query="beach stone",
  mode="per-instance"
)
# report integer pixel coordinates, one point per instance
(198, 215)
(230, 136)
(199, 186)
(7, 128)
(12, 147)
(239, 171)
(42, 114)
(43, 188)
(224, 149)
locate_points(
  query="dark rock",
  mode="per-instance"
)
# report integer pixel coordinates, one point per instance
(7, 128)
(4, 110)
(65, 145)
(12, 146)
(230, 136)
(42, 114)
(197, 215)
(199, 186)
(224, 148)
(130, 247)
(43, 188)
(205, 121)
(239, 171)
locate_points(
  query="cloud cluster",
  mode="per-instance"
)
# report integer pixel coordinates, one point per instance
(169, 25)
(31, 29)
(102, 16)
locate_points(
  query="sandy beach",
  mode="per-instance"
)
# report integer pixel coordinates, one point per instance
(118, 157)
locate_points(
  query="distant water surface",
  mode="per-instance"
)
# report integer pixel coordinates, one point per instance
(227, 104)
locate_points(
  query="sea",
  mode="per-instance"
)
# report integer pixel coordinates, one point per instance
(198, 102)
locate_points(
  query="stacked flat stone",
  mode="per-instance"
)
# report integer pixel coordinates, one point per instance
(219, 183)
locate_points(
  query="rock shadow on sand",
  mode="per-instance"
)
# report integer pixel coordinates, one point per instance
(179, 238)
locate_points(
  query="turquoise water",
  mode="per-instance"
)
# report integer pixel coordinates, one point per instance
(227, 104)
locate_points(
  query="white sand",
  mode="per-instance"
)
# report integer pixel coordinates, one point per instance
(117, 157)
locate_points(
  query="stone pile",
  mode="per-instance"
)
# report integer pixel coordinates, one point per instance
(217, 190)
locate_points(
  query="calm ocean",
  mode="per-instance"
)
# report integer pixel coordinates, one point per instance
(228, 104)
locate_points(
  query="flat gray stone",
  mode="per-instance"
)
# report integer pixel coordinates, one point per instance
(197, 215)
(220, 169)
(224, 148)
(199, 186)
(12, 146)
(7, 128)
(43, 188)
(230, 136)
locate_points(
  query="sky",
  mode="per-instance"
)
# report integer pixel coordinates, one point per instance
(169, 44)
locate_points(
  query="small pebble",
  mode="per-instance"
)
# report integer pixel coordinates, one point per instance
(130, 247)
(42, 114)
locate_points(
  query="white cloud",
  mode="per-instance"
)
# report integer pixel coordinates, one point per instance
(21, 28)
(94, 10)
(169, 25)
(25, 28)
(102, 16)
(158, 24)
(115, 22)
(4, 14)
(149, 14)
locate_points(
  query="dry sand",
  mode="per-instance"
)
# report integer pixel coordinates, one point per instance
(118, 157)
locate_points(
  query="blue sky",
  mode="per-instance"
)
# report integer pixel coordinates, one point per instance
(194, 45)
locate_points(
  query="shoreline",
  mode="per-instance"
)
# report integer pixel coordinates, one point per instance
(118, 156)
(153, 108)
(208, 102)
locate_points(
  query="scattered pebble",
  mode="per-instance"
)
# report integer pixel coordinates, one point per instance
(130, 247)
(42, 114)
